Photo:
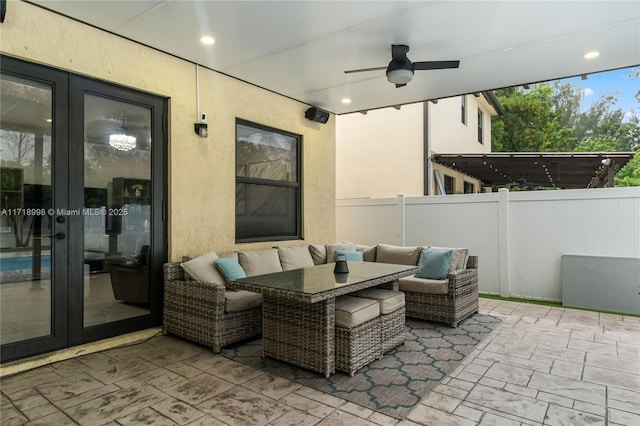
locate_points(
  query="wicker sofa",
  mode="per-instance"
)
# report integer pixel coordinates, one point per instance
(199, 307)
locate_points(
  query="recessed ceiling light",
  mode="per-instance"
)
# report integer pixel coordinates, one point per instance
(208, 40)
(346, 100)
(591, 55)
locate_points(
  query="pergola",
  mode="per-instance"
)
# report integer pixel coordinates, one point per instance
(570, 170)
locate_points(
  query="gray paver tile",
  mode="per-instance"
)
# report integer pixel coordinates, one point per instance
(115, 405)
(563, 416)
(425, 415)
(468, 412)
(58, 419)
(611, 378)
(178, 411)
(598, 410)
(490, 419)
(195, 390)
(613, 362)
(272, 386)
(242, 406)
(146, 416)
(623, 417)
(569, 388)
(307, 405)
(509, 374)
(441, 402)
(508, 402)
(297, 418)
(536, 365)
(567, 369)
(506, 346)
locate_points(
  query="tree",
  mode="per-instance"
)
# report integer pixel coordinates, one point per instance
(530, 123)
(549, 118)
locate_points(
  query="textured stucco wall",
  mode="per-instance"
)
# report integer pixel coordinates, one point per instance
(201, 171)
(380, 154)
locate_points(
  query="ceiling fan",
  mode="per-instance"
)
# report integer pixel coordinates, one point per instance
(400, 69)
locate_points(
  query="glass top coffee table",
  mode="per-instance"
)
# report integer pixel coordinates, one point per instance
(298, 310)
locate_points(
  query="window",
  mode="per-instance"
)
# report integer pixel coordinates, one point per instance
(469, 188)
(480, 123)
(449, 184)
(268, 192)
(463, 106)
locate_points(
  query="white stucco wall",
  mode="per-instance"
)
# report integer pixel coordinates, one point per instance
(447, 133)
(381, 154)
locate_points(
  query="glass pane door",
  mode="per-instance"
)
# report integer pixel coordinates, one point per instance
(117, 210)
(26, 250)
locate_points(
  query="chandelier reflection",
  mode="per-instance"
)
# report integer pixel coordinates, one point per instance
(123, 140)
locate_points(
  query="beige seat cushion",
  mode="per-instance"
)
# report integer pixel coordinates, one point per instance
(241, 300)
(295, 257)
(389, 300)
(423, 285)
(352, 311)
(400, 255)
(331, 249)
(259, 262)
(459, 257)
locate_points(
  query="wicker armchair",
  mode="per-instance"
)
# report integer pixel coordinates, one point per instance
(460, 301)
(195, 310)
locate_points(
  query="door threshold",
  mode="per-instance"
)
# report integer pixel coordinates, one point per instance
(25, 364)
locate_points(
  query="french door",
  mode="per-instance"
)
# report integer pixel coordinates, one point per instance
(82, 232)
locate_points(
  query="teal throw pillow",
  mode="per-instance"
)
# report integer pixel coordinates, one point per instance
(434, 264)
(229, 268)
(356, 256)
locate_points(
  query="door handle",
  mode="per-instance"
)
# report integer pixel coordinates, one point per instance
(59, 236)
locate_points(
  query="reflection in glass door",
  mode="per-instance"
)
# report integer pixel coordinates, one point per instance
(82, 234)
(26, 248)
(117, 210)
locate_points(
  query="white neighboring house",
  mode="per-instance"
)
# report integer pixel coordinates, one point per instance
(386, 151)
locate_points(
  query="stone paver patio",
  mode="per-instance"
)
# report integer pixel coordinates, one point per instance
(543, 365)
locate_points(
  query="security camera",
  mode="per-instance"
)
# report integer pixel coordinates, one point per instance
(203, 117)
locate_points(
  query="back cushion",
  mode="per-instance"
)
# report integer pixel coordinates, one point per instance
(331, 249)
(368, 252)
(318, 253)
(295, 257)
(400, 255)
(201, 268)
(459, 257)
(259, 262)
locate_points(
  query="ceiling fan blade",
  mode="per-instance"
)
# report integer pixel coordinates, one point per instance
(401, 85)
(365, 69)
(435, 65)
(399, 52)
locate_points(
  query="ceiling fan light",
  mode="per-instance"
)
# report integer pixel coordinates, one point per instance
(400, 76)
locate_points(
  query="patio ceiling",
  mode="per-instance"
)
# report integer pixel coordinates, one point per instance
(534, 169)
(300, 49)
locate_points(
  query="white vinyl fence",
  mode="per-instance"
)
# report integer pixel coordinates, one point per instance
(519, 237)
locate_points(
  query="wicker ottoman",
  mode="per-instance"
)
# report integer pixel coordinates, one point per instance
(392, 315)
(357, 333)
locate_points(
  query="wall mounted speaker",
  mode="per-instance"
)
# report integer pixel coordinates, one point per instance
(316, 114)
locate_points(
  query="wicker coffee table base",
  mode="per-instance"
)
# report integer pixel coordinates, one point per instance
(300, 333)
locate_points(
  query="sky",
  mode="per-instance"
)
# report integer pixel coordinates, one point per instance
(599, 84)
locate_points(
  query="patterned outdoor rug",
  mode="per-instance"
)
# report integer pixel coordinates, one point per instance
(394, 384)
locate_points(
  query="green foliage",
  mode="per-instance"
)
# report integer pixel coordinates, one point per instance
(629, 175)
(530, 124)
(548, 117)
